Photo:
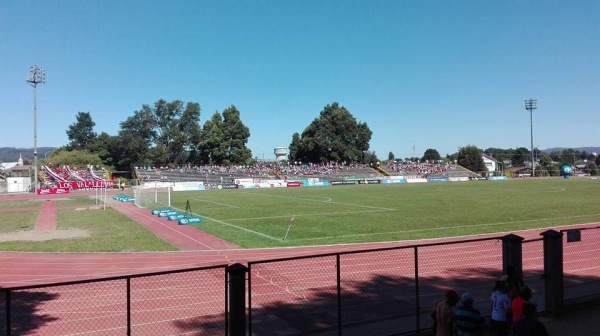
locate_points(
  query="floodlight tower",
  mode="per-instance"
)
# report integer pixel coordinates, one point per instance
(530, 105)
(37, 76)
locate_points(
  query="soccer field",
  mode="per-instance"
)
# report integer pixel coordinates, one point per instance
(374, 213)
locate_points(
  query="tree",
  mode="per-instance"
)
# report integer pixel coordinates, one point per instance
(74, 158)
(545, 160)
(335, 136)
(223, 139)
(294, 147)
(235, 135)
(593, 169)
(470, 158)
(211, 147)
(391, 156)
(81, 133)
(431, 155)
(519, 157)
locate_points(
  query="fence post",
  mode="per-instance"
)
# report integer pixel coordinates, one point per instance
(237, 299)
(8, 308)
(512, 253)
(553, 271)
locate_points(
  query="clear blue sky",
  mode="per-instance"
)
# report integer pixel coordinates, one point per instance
(429, 74)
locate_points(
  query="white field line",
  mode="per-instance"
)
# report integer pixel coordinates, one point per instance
(166, 226)
(307, 215)
(233, 225)
(328, 201)
(443, 228)
(213, 202)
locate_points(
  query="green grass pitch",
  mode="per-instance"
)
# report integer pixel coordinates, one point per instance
(374, 213)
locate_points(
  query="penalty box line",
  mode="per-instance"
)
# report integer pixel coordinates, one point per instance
(234, 226)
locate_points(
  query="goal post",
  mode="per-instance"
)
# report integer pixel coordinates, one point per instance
(152, 195)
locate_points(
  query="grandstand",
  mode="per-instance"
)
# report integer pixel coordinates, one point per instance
(297, 171)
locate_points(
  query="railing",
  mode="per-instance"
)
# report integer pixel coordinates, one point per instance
(163, 303)
(376, 291)
(386, 291)
(581, 263)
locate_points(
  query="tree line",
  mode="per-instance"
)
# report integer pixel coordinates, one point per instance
(170, 133)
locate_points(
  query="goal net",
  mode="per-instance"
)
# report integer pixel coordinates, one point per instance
(152, 195)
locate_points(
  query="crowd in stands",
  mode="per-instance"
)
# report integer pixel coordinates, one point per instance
(298, 169)
(420, 169)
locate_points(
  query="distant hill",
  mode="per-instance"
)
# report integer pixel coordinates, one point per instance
(581, 149)
(11, 154)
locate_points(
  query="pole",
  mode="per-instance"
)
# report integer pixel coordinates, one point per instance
(530, 105)
(35, 169)
(532, 153)
(36, 76)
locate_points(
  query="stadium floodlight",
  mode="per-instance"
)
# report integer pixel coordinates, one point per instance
(37, 76)
(530, 105)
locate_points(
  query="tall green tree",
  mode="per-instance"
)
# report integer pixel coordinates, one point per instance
(335, 136)
(294, 147)
(391, 156)
(235, 136)
(81, 133)
(211, 148)
(431, 155)
(470, 158)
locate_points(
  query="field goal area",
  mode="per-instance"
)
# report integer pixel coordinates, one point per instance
(150, 196)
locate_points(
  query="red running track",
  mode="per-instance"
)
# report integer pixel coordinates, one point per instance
(46, 220)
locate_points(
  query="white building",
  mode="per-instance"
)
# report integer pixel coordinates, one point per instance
(491, 164)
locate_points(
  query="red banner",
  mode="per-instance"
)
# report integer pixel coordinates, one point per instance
(294, 184)
(53, 191)
(85, 184)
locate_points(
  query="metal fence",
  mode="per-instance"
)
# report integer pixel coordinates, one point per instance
(379, 292)
(165, 303)
(581, 264)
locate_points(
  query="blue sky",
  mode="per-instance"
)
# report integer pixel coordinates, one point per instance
(429, 74)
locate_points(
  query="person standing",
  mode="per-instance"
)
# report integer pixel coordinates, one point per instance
(501, 307)
(528, 324)
(443, 314)
(517, 303)
(467, 320)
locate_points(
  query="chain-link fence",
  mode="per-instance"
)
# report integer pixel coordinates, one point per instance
(379, 292)
(191, 301)
(581, 263)
(533, 270)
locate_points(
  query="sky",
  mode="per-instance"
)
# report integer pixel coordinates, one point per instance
(421, 74)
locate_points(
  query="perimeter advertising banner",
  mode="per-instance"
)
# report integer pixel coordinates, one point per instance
(188, 186)
(84, 184)
(393, 180)
(53, 191)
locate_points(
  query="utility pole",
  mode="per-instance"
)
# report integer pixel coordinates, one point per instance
(36, 76)
(530, 105)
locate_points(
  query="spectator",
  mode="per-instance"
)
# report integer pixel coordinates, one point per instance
(517, 303)
(501, 306)
(513, 281)
(528, 324)
(468, 320)
(443, 315)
